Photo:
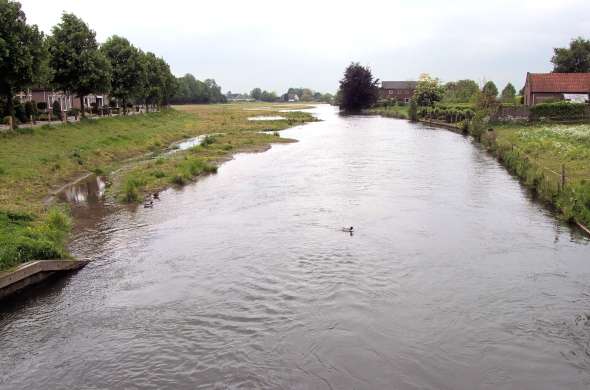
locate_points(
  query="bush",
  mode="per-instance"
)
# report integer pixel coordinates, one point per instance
(560, 111)
(208, 140)
(42, 106)
(74, 112)
(56, 109)
(31, 110)
(20, 113)
(6, 120)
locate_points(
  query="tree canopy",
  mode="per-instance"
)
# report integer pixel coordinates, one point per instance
(129, 69)
(256, 94)
(462, 91)
(575, 59)
(508, 93)
(428, 91)
(191, 90)
(490, 90)
(78, 65)
(22, 52)
(358, 89)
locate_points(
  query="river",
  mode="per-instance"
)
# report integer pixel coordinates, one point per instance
(454, 278)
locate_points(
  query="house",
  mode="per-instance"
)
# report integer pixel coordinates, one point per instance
(292, 97)
(540, 87)
(398, 90)
(66, 100)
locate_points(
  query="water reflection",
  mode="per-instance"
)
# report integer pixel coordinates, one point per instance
(88, 190)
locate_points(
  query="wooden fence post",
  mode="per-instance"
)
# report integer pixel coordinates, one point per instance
(562, 177)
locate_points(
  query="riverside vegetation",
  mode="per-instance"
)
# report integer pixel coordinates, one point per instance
(36, 163)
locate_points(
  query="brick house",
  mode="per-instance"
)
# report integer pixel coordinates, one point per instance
(540, 87)
(399, 90)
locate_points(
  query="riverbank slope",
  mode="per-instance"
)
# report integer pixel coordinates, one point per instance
(36, 162)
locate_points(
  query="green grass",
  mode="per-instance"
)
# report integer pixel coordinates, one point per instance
(537, 152)
(24, 237)
(36, 163)
(400, 112)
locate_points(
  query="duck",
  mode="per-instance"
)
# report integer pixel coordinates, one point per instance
(348, 230)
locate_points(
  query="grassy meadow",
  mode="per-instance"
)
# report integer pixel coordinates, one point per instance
(34, 163)
(536, 152)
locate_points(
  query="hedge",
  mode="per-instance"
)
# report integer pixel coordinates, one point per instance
(560, 111)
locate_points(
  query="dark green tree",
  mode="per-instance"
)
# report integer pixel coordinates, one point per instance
(256, 94)
(159, 81)
(78, 65)
(129, 75)
(22, 53)
(358, 89)
(508, 93)
(575, 59)
(490, 90)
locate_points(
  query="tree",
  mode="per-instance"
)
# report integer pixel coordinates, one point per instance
(575, 59)
(358, 89)
(508, 93)
(256, 94)
(267, 96)
(78, 65)
(490, 90)
(428, 91)
(129, 69)
(462, 91)
(22, 52)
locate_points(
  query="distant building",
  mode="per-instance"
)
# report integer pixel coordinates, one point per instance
(540, 87)
(292, 97)
(398, 90)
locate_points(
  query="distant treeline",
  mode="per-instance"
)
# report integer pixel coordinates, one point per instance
(189, 90)
(292, 94)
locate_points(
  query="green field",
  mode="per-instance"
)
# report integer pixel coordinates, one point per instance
(400, 112)
(538, 152)
(35, 164)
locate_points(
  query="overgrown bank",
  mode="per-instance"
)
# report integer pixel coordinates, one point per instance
(36, 163)
(552, 159)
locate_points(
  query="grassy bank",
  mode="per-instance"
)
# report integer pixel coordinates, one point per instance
(400, 112)
(538, 152)
(36, 163)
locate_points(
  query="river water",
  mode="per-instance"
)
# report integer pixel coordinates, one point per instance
(454, 279)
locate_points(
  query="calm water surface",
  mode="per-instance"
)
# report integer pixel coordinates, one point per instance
(454, 279)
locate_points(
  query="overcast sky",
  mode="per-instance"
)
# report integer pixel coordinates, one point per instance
(277, 44)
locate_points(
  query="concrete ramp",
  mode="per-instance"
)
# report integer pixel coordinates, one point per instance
(34, 272)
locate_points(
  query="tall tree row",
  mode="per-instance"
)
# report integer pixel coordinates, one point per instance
(71, 60)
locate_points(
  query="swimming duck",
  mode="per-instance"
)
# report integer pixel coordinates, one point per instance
(348, 230)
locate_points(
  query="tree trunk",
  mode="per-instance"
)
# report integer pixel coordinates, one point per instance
(83, 110)
(124, 107)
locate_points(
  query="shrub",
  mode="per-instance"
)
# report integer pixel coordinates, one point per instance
(56, 108)
(131, 190)
(20, 113)
(42, 106)
(208, 140)
(74, 112)
(560, 111)
(31, 110)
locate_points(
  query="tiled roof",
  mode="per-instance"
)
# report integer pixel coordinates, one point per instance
(399, 84)
(560, 82)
